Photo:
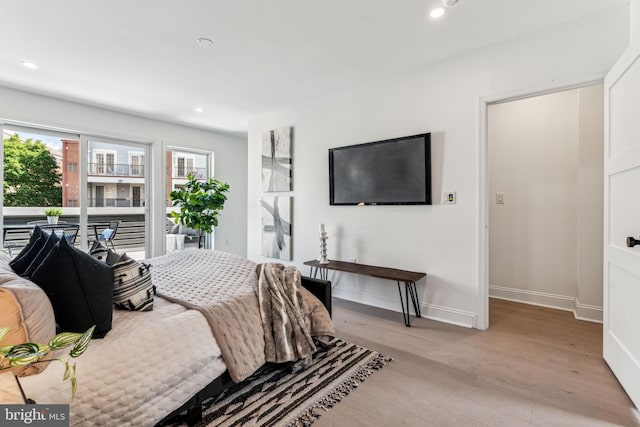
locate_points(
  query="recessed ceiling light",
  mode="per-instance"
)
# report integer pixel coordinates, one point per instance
(437, 12)
(204, 42)
(29, 65)
(199, 110)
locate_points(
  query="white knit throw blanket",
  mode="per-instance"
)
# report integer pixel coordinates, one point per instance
(222, 287)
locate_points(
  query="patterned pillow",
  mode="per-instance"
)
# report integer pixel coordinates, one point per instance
(104, 254)
(132, 287)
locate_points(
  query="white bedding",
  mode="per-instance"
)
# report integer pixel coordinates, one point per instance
(126, 378)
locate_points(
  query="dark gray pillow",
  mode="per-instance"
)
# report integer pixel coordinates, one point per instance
(79, 287)
(51, 241)
(22, 261)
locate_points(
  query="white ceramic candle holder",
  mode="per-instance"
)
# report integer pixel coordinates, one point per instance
(323, 248)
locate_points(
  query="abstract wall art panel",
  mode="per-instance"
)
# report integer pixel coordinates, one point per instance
(276, 160)
(276, 227)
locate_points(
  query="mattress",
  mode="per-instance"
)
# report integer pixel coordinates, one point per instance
(148, 365)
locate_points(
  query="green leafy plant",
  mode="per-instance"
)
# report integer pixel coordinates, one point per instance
(200, 202)
(31, 174)
(25, 354)
(53, 212)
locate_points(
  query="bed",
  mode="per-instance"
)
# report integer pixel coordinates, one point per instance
(155, 365)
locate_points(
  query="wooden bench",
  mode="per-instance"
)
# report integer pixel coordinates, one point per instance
(409, 278)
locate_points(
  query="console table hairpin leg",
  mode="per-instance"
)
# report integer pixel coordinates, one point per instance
(323, 272)
(409, 289)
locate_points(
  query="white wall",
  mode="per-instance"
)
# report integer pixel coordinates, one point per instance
(545, 241)
(230, 152)
(443, 99)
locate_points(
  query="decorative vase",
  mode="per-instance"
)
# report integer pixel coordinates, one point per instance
(52, 219)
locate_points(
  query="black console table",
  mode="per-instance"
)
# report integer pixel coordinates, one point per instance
(409, 278)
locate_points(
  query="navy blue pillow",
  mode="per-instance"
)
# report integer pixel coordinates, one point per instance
(51, 241)
(79, 287)
(22, 261)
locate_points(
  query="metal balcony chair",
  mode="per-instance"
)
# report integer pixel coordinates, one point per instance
(108, 234)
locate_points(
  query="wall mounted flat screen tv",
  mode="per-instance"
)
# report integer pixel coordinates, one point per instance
(390, 172)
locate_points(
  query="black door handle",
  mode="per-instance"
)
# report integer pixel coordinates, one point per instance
(631, 242)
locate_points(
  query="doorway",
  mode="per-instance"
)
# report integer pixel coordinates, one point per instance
(99, 202)
(135, 196)
(544, 205)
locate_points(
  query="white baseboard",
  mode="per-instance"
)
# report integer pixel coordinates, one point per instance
(580, 311)
(429, 311)
(590, 313)
(561, 302)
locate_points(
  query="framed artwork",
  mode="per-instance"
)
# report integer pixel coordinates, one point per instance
(276, 160)
(276, 227)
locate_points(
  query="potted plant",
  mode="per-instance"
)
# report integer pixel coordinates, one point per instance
(53, 214)
(200, 202)
(17, 355)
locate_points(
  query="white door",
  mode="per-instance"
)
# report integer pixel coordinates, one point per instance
(621, 220)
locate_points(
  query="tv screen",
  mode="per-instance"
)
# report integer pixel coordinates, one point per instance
(390, 172)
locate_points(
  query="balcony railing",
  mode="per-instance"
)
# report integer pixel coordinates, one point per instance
(199, 173)
(107, 202)
(117, 169)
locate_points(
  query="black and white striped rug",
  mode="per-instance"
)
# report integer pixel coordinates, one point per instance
(280, 397)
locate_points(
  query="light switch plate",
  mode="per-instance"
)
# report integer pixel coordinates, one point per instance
(499, 198)
(449, 198)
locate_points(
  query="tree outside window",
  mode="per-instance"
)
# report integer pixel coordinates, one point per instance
(31, 174)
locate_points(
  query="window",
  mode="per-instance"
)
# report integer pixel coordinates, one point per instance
(185, 165)
(180, 167)
(190, 168)
(116, 189)
(42, 168)
(182, 162)
(104, 163)
(136, 163)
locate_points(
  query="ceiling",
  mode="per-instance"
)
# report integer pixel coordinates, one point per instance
(141, 56)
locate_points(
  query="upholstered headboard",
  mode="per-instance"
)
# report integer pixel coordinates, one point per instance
(321, 289)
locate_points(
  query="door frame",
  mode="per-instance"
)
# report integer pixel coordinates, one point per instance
(482, 316)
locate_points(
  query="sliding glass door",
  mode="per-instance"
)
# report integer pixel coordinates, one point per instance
(35, 177)
(99, 184)
(116, 183)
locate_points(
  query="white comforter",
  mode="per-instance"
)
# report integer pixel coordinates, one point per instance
(148, 365)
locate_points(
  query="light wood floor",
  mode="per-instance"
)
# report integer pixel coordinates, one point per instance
(533, 366)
